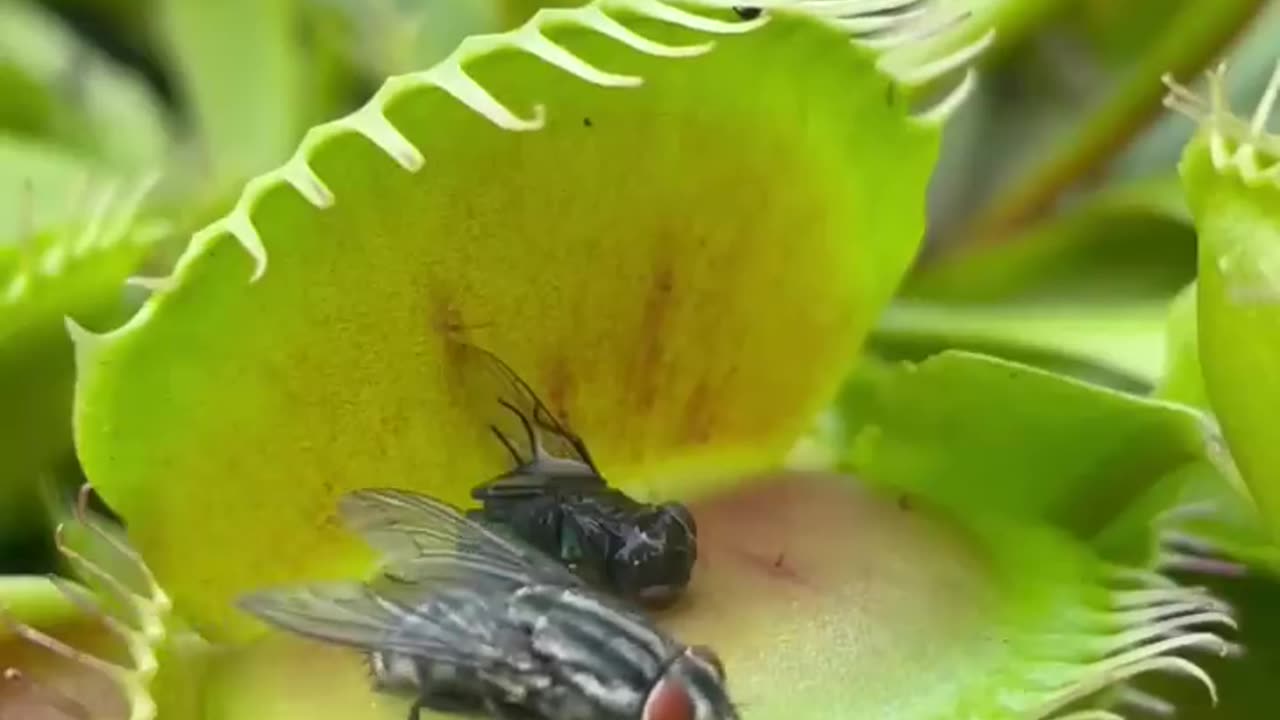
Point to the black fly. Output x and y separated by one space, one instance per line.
467 621
555 498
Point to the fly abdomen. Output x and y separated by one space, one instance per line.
599 649
471 689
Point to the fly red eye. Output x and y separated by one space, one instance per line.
668 701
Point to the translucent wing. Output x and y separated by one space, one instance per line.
455 626
544 449
429 542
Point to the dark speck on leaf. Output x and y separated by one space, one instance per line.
775 566
586 122
747 13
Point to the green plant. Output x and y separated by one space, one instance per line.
981 481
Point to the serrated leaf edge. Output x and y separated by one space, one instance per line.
108 224
1243 148
145 626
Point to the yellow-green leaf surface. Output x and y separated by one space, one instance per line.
1230 172
680 245
843 602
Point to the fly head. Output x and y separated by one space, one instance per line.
655 562
692 688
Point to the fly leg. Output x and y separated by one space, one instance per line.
447 703
499 710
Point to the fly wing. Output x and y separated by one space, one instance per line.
543 447
537 481
359 616
429 542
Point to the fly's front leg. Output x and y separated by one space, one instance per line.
447 704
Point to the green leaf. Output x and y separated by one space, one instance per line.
1143 481
38 186
74 94
35 113
1122 343
75 268
1204 512
33 600
980 433
689 308
389 37
515 12
1127 242
1182 380
1228 172
242 71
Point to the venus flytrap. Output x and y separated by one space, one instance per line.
1182 379
430 144
911 433
73 266
1231 173
679 225
1209 514
120 622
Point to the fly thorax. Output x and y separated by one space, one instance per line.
654 561
606 653
394 673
